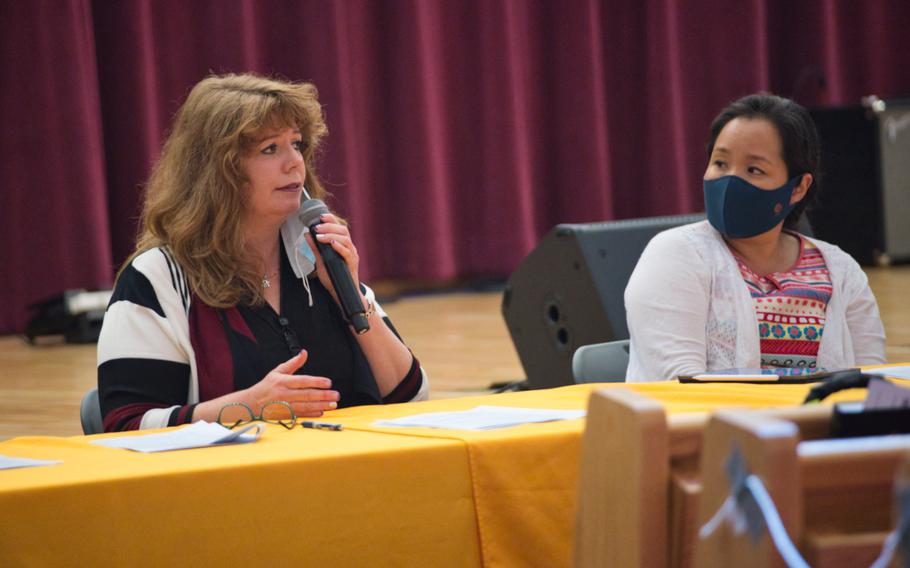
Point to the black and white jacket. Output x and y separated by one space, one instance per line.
162 351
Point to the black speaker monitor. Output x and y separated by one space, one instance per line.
864 203
568 292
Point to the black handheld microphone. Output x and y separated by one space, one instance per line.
348 294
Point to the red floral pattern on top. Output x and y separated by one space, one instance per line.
790 308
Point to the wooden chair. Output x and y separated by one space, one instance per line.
834 497
634 462
640 481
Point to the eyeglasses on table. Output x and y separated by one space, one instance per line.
275 412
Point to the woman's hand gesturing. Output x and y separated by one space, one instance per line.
309 396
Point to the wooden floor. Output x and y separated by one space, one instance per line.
460 338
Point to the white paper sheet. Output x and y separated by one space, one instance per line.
11 462
900 372
482 418
196 435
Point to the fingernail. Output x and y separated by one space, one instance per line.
333 405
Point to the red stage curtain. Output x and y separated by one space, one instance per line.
460 131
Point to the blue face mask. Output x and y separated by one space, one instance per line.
738 209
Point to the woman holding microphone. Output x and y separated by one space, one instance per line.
226 301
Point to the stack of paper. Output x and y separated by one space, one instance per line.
9 462
482 418
196 435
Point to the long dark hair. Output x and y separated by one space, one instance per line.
799 138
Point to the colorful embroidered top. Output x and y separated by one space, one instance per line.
790 308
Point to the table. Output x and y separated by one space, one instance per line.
368 495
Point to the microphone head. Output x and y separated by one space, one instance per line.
310 210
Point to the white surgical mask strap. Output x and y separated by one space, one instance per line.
305 277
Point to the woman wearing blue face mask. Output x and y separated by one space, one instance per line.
744 289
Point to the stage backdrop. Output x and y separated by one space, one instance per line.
460 131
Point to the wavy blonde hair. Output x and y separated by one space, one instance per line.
195 199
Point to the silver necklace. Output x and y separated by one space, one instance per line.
266 280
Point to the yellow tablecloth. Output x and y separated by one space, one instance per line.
525 478
299 498
368 495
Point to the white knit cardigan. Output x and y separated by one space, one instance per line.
689 310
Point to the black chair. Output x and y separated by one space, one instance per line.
90 413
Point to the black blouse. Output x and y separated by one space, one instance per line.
321 330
